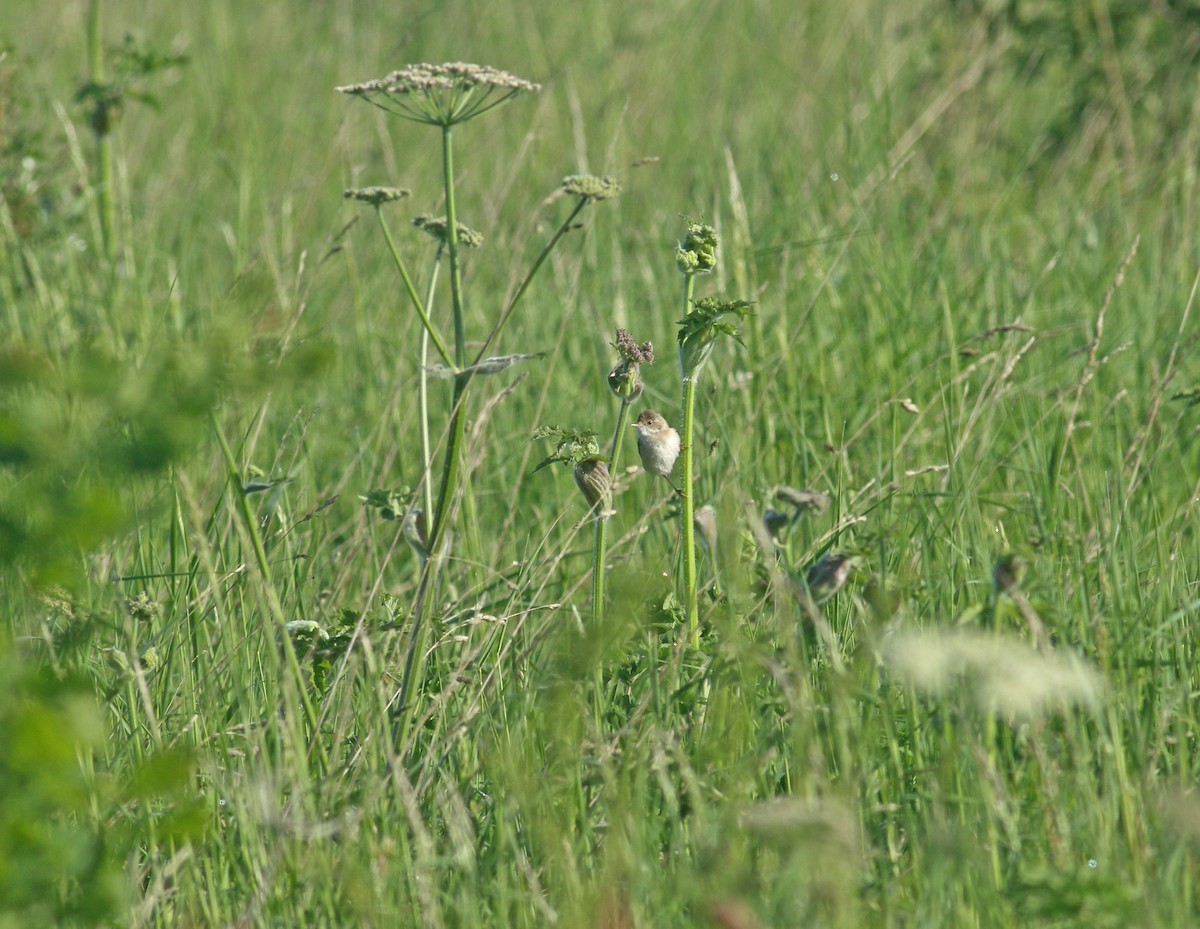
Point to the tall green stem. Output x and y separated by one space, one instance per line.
423 403
460 338
618 438
414 664
450 466
101 126
688 528
438 520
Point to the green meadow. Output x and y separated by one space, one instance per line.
296 631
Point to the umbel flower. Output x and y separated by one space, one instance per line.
376 196
591 188
436 227
441 95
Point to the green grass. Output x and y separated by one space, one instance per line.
895 185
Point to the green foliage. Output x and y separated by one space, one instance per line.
573 446
391 504
61 856
131 63
53 863
709 320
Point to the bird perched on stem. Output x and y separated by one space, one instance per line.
658 445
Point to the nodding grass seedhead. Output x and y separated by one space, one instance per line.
625 379
804 501
705 521
697 253
436 226
591 188
775 523
443 94
376 196
592 477
829 575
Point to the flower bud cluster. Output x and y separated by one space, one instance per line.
697 253
591 188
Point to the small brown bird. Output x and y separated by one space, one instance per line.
658 444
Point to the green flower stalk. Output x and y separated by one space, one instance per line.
696 254
703 323
437 228
377 197
445 95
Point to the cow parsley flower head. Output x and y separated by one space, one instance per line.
591 188
441 94
375 196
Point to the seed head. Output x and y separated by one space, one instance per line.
376 196
591 474
591 188
629 350
625 379
436 226
441 94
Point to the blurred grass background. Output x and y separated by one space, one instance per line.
929 201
